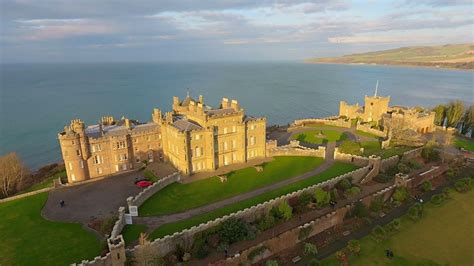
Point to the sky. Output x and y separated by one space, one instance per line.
233 30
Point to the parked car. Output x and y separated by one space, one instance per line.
144 183
141 178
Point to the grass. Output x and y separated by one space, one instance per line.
443 236
464 143
179 197
131 232
371 148
336 169
150 175
48 182
28 239
312 136
365 134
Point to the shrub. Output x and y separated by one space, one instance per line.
414 164
304 232
275 212
463 184
322 197
271 263
314 262
394 225
310 249
379 233
415 212
437 199
286 210
429 152
352 192
202 250
340 255
344 184
384 178
360 210
403 168
426 186
233 230
354 246
401 194
256 252
334 195
376 204
267 222
304 199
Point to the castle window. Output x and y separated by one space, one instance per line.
252 140
78 152
197 152
93 148
225 145
72 142
70 166
225 130
198 137
234 129
120 144
98 159
234 144
234 157
252 127
82 164
149 146
99 170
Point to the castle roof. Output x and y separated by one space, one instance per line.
222 111
118 129
182 123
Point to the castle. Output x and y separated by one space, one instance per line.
396 118
193 137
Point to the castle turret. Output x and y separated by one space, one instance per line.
156 116
75 151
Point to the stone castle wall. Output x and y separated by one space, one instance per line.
151 190
164 245
350 158
389 162
370 130
330 121
289 150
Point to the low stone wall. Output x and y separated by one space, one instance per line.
119 224
329 121
151 190
289 150
408 155
115 257
354 159
19 196
370 130
389 162
164 245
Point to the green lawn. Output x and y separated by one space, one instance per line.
131 232
336 169
179 197
365 134
371 148
464 143
443 236
48 182
320 136
28 239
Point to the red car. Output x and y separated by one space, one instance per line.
144 184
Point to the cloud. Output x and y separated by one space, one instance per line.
44 29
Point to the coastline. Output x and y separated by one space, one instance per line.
394 65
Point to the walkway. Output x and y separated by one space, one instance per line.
155 221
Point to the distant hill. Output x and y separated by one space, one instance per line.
459 56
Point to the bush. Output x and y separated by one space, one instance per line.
276 213
463 184
415 212
429 153
304 232
360 210
233 230
304 199
286 210
344 184
438 199
256 252
314 262
403 168
202 250
379 233
394 225
322 197
267 222
376 204
310 249
334 195
271 263
401 194
384 178
414 164
352 192
426 186
354 246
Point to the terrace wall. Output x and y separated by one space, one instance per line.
290 150
372 131
164 245
350 158
389 162
329 121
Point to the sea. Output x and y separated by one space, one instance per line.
38 100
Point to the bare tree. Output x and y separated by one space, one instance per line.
454 113
144 253
12 173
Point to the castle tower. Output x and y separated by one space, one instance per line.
75 149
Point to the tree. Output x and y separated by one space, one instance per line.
233 230
354 246
310 249
426 186
271 263
468 121
322 197
286 210
400 194
12 173
454 113
440 114
144 253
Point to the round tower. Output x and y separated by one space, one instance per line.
74 153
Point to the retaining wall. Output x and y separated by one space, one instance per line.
329 121
151 190
164 245
354 159
412 153
372 131
297 151
389 162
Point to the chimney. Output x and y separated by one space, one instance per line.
127 123
156 116
200 108
201 99
235 105
225 103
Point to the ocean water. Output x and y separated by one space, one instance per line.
38 100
